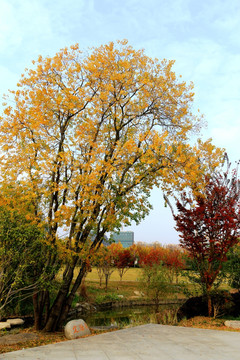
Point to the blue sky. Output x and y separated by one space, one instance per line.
202 36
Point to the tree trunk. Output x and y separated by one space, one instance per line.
36 310
156 300
120 271
62 304
106 281
41 308
100 275
52 323
209 301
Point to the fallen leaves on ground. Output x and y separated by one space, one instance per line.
43 339
203 322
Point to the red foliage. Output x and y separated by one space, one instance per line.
124 259
210 224
174 257
153 256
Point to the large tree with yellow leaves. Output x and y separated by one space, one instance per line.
87 137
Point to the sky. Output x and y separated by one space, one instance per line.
203 37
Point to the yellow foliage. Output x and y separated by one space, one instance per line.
90 135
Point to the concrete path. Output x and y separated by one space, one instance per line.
146 342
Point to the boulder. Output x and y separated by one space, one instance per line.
138 293
75 329
15 322
235 309
5 325
195 306
235 324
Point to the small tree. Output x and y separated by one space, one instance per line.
158 284
104 262
24 271
108 268
21 257
124 261
209 226
174 259
98 261
149 257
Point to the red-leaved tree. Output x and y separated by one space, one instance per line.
123 261
175 260
151 256
209 225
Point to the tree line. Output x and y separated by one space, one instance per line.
115 257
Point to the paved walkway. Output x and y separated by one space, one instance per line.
146 342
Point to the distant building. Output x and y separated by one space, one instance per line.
126 238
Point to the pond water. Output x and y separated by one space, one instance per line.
124 316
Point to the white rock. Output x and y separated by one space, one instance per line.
5 325
15 321
75 329
235 324
138 293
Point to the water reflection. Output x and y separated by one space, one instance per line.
124 316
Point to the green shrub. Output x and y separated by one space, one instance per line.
105 298
157 283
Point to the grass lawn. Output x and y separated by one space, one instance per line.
132 274
126 288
